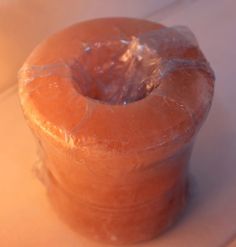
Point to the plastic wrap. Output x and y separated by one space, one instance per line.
116 112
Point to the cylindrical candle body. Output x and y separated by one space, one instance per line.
116 104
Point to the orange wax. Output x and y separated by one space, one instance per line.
115 104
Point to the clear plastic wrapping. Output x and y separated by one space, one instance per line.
116 119
119 72
132 70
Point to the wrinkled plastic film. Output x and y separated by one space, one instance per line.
136 68
133 69
116 125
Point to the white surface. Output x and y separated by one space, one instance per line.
210 221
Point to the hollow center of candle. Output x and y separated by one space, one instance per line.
117 72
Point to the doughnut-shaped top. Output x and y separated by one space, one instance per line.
117 84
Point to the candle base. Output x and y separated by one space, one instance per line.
120 225
116 226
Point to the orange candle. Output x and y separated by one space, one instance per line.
115 104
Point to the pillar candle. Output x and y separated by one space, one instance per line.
115 105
